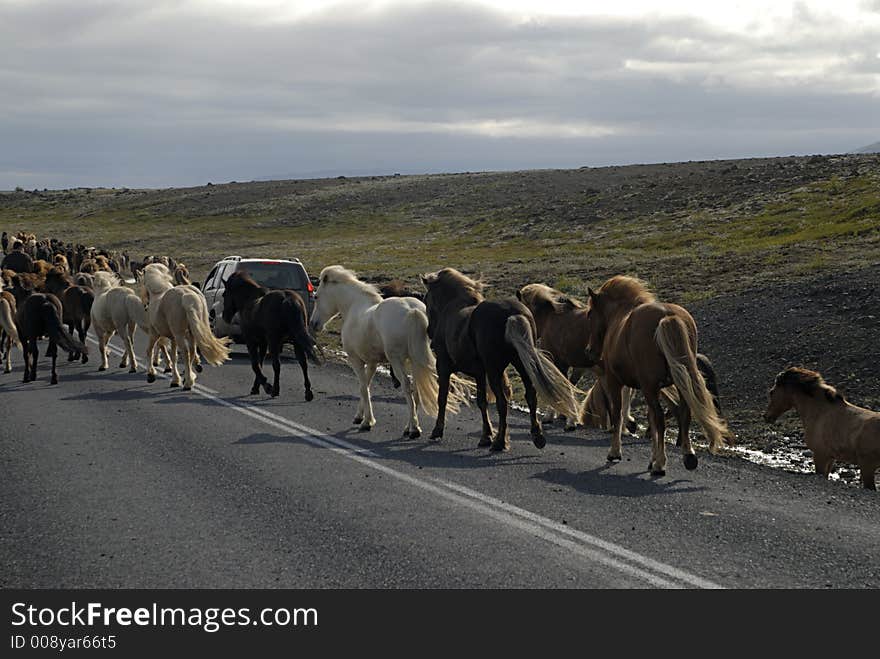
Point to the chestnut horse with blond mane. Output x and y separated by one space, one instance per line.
645 344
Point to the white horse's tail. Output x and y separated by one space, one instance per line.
7 322
214 350
672 339
424 367
552 385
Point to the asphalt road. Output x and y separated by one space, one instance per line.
108 481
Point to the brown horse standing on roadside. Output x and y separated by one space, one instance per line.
834 429
8 330
645 344
481 338
76 302
563 332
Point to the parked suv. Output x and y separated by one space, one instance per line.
270 273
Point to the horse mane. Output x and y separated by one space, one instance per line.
809 383
541 294
105 280
157 277
622 288
336 274
455 282
241 278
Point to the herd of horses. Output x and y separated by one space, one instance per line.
445 346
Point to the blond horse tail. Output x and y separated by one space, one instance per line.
593 411
551 384
214 350
672 339
134 310
7 323
424 365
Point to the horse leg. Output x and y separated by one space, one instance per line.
83 329
254 354
197 361
129 347
275 352
823 462
532 400
683 414
103 339
394 379
152 362
7 356
483 404
369 420
29 346
188 345
614 392
262 348
71 355
866 474
304 365
502 439
175 372
52 352
358 367
626 398
412 429
657 423
443 375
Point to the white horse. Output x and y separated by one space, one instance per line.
117 308
376 330
180 314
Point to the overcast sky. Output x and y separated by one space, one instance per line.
153 93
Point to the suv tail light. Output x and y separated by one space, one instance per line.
311 288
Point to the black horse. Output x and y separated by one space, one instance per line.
268 320
481 338
39 314
76 304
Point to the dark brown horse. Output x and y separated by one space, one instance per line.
481 338
76 302
645 344
39 314
268 320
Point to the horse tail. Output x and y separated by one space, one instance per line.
57 333
214 350
551 384
711 379
295 320
672 339
593 412
7 322
424 364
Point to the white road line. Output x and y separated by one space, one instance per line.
578 542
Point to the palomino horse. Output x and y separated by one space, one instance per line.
179 313
376 330
117 308
481 338
268 319
834 429
561 322
8 330
76 302
39 314
645 344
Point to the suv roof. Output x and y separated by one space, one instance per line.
245 260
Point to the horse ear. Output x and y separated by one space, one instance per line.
519 295
593 296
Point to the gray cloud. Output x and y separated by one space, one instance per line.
174 94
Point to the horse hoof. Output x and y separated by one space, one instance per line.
104 368
632 427
255 391
613 458
485 441
570 428
187 388
539 441
198 368
415 434
267 388
85 359
497 447
167 370
396 383
364 428
71 358
690 461
437 434
151 377
54 380
309 396
658 472
175 384
358 420
123 364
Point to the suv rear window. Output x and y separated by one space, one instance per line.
276 275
